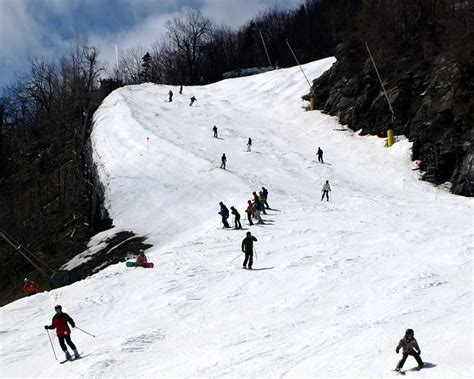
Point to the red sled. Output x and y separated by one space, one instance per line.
133 264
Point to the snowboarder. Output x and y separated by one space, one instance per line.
223 161
224 212
249 144
237 223
30 287
265 194
214 129
141 260
326 189
249 211
170 94
60 323
409 346
247 249
193 99
181 90
320 155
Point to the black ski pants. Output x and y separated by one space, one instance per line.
405 356
248 259
238 225
66 338
249 217
327 195
225 223
320 158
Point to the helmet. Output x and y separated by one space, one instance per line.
26 280
410 332
58 307
248 233
141 251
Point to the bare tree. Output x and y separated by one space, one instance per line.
188 36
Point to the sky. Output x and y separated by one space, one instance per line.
45 28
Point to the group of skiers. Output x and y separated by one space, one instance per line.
170 96
254 208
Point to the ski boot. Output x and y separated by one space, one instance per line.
76 354
68 356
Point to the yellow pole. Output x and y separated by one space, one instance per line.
312 103
389 137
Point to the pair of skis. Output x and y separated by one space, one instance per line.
72 359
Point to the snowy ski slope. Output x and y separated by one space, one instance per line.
338 282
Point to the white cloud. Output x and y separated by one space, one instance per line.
143 34
22 36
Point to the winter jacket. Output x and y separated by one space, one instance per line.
30 287
408 345
257 206
320 153
249 209
247 244
235 213
265 193
326 187
224 212
60 324
256 198
262 197
141 260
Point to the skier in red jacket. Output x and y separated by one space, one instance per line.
60 323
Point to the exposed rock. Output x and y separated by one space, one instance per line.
433 104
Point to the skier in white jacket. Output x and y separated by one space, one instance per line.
326 189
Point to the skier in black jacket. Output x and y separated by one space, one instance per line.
234 211
247 248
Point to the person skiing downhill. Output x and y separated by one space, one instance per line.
249 144
193 99
181 90
60 323
247 249
320 155
214 129
409 346
30 287
223 161
224 212
170 94
237 223
249 211
326 189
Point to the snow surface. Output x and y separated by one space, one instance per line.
338 282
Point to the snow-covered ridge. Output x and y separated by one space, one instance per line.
339 281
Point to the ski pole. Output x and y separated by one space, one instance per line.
51 342
85 331
235 258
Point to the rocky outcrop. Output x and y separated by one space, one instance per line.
433 104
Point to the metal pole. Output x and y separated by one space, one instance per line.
235 258
82 330
298 63
380 80
264 46
51 342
